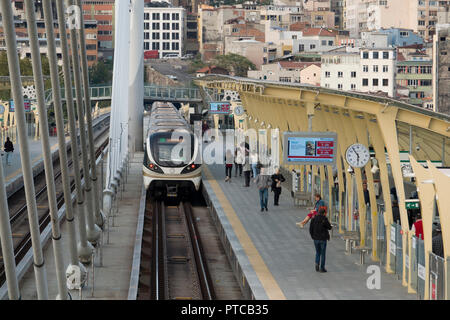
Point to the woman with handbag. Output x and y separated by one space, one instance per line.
277 179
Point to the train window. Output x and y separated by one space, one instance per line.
172 149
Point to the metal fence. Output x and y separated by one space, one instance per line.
437 277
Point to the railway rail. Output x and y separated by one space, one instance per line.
175 262
18 209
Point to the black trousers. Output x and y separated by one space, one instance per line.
238 167
276 197
228 171
247 178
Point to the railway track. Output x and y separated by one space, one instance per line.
175 262
18 209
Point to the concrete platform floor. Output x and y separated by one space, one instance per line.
112 279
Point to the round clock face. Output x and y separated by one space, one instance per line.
357 155
238 111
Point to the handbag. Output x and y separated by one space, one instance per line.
279 184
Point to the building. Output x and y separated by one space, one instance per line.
417 77
23 41
289 71
101 11
164 28
340 70
441 63
210 70
337 6
368 15
315 40
377 70
251 49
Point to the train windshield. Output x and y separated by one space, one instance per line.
172 148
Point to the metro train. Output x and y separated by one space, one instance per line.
170 151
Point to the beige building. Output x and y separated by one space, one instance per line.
251 49
288 71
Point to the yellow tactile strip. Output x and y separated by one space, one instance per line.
266 278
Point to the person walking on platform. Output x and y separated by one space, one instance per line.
9 149
263 183
238 160
247 169
228 165
277 179
319 233
254 163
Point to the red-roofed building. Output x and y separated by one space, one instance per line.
210 70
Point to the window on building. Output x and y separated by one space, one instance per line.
404 34
155 16
353 74
365 68
166 35
155 45
330 42
175 46
175 16
285 79
175 26
155 35
385 54
91 58
385 68
365 55
340 74
175 36
353 86
365 82
375 55
426 83
146 35
324 42
312 46
301 47
91 47
339 86
166 45
146 16
375 82
421 22
413 82
385 82
375 68
327 74
155 25
166 26
146 26
166 16
146 45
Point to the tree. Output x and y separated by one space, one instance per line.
235 64
101 72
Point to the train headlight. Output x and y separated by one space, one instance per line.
150 165
191 167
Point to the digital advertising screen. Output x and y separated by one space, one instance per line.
310 148
219 107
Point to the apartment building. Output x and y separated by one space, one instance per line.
101 11
417 77
377 70
441 63
289 71
164 28
340 70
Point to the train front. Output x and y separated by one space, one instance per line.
170 168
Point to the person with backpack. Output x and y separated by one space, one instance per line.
9 149
319 233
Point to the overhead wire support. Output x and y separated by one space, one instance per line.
93 231
99 217
30 194
84 248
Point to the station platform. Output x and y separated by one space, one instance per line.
13 172
113 262
275 258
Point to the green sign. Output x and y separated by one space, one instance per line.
412 204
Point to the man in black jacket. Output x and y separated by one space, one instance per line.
9 149
319 233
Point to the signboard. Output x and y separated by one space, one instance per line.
219 107
412 204
26 104
393 248
421 271
317 148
